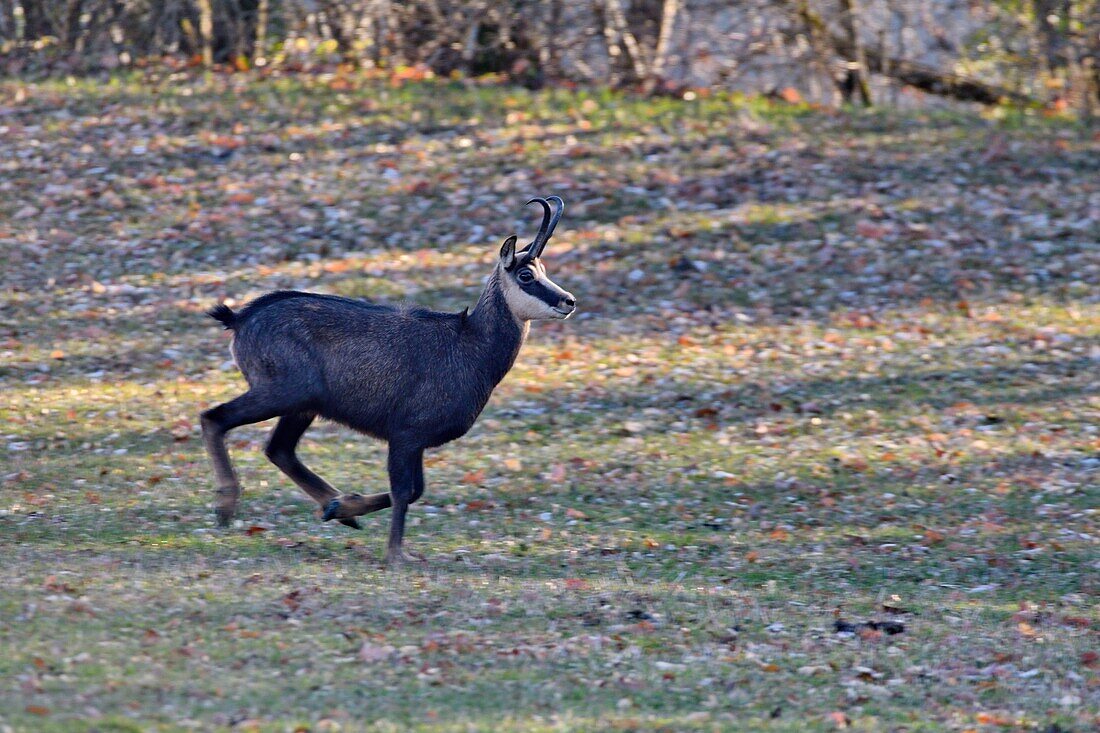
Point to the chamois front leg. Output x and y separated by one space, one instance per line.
406 469
346 507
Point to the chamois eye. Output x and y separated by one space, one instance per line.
525 276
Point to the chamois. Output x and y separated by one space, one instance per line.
410 376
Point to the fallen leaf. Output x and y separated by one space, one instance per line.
371 652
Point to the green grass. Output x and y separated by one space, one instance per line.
827 365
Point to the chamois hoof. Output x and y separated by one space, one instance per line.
224 516
351 522
403 558
331 509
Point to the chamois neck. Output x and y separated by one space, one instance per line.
493 324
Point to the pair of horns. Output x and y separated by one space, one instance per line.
550 218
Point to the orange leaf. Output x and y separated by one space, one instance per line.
855 463
752 556
37 710
839 718
871 230
779 534
576 583
474 477
240 198
255 529
790 95
57 354
992 719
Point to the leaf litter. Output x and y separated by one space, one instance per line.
821 361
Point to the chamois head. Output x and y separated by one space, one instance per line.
530 294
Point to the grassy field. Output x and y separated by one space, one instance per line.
821 449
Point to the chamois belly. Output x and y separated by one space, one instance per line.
429 428
445 433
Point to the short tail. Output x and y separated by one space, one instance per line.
224 314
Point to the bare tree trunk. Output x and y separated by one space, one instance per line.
7 20
380 25
1051 40
206 32
857 65
550 51
1089 55
669 11
620 36
70 25
35 23
921 76
259 39
469 46
819 46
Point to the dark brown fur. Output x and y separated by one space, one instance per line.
413 377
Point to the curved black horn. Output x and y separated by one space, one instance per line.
549 222
553 222
536 244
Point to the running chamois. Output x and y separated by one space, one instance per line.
410 376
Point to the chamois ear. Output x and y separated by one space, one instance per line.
508 252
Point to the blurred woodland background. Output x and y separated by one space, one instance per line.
896 52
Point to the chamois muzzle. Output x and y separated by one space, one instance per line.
566 306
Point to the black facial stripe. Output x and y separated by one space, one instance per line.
539 289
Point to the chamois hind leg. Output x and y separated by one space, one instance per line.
281 451
251 407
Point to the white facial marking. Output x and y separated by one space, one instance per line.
527 307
